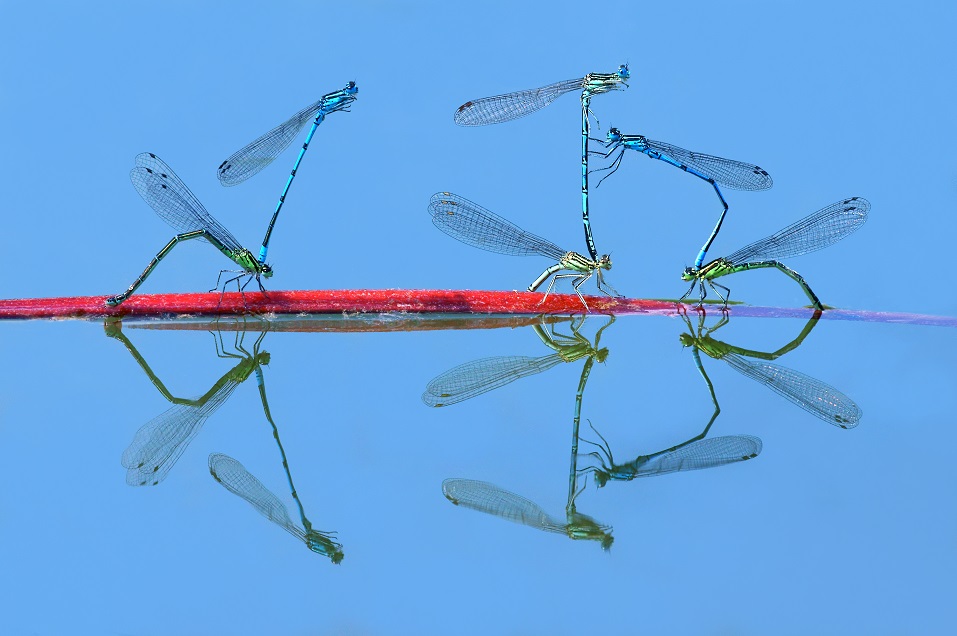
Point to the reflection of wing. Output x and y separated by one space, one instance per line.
480 376
817 398
159 443
705 453
490 499
237 480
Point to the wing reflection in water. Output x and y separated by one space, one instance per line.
817 398
490 499
481 376
159 443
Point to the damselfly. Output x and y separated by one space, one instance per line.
490 499
694 454
714 170
474 225
811 233
502 108
819 399
174 203
236 479
258 154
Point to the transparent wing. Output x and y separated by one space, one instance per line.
172 200
472 224
705 453
726 172
490 499
817 398
502 108
159 443
239 481
474 378
811 233
258 154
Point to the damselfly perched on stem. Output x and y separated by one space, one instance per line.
474 225
810 234
258 154
174 203
715 170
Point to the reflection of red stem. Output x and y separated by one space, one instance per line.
401 301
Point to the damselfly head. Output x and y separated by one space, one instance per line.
623 72
689 274
605 261
613 136
351 88
686 339
266 270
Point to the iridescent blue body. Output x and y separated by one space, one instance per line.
258 154
715 170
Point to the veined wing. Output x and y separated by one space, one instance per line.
502 108
811 233
817 398
480 376
726 172
172 200
472 224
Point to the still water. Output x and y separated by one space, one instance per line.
685 474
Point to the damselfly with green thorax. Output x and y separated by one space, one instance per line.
236 479
810 234
490 499
258 154
481 376
810 394
174 203
714 170
502 108
159 443
474 225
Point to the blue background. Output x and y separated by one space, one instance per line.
827 531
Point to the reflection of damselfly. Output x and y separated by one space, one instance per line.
159 443
490 499
817 398
811 233
481 376
237 480
472 224
502 108
694 454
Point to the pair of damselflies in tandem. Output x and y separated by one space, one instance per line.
472 224
174 203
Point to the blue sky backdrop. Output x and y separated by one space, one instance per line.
828 531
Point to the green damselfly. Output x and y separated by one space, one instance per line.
174 203
814 232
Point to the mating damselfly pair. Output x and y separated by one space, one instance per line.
174 203
472 224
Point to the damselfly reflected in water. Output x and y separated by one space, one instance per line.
160 443
817 398
486 374
493 500
236 479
